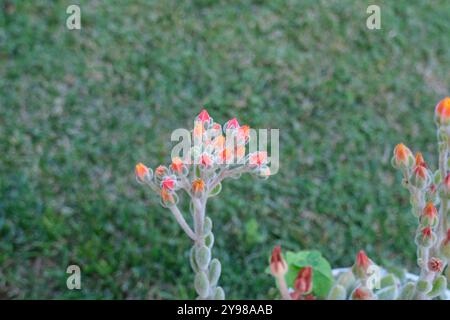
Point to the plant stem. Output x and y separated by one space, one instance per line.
182 222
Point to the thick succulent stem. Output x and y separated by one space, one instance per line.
207 271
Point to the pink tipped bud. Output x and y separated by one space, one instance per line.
204 116
258 158
435 265
168 184
303 283
232 124
419 161
278 267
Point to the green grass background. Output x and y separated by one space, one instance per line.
78 109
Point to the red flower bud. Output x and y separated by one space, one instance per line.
442 110
278 267
362 260
303 283
362 293
427 233
435 265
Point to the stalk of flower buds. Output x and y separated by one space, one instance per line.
213 158
428 190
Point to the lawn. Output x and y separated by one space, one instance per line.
78 109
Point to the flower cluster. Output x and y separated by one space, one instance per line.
218 152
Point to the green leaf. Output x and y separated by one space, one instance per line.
322 277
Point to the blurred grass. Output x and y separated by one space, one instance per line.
79 108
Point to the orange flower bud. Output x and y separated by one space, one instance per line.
167 197
278 267
442 110
435 264
177 165
142 172
402 155
198 186
161 171
419 160
429 215
361 265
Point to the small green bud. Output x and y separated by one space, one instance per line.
407 292
219 294
337 292
388 293
423 286
201 284
215 269
437 177
439 286
202 257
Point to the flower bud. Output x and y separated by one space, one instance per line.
160 172
168 184
202 256
361 265
442 111
232 124
143 174
257 159
198 186
178 166
425 237
203 116
303 283
278 267
168 198
419 161
435 265
429 215
402 156
362 293
420 176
